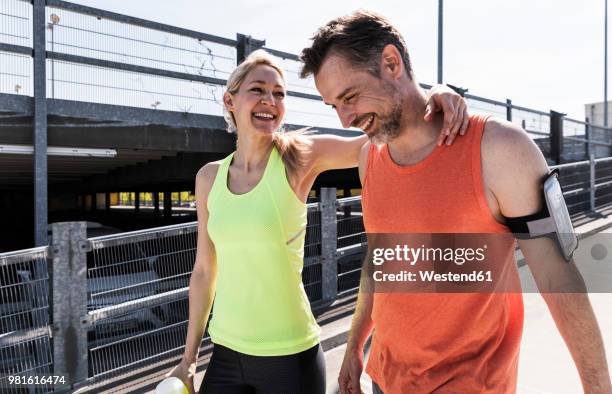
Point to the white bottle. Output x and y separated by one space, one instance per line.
171 385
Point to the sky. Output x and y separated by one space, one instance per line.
542 54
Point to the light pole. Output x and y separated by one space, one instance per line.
54 21
605 120
440 30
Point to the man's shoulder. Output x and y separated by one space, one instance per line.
512 167
503 136
507 146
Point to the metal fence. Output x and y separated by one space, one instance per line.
97 56
131 293
63 60
25 333
128 292
137 297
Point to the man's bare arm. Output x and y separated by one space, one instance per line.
513 170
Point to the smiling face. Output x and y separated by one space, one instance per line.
360 99
258 105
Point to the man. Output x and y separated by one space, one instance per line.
451 343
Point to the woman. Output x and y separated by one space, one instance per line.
251 225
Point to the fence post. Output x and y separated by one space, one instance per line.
40 123
69 298
592 181
556 136
246 45
509 110
329 243
587 136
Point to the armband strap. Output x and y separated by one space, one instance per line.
552 221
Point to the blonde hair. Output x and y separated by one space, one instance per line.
292 145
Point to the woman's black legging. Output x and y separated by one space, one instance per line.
231 372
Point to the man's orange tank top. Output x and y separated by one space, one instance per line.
444 343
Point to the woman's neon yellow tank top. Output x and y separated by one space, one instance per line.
260 305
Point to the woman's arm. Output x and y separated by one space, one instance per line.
203 280
330 152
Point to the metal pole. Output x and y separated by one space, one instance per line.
245 45
440 32
40 125
509 110
592 181
329 243
605 122
556 136
587 136
69 298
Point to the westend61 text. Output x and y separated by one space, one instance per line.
432 276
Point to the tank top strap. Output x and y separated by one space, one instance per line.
276 162
220 182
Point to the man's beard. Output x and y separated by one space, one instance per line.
390 124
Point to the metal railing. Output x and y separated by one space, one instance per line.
25 333
132 291
135 306
97 56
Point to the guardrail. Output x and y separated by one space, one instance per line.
25 332
119 303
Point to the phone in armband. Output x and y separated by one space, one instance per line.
553 220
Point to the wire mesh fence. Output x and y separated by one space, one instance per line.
102 57
351 243
95 84
15 74
350 223
16 22
536 123
25 347
100 37
109 47
137 297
